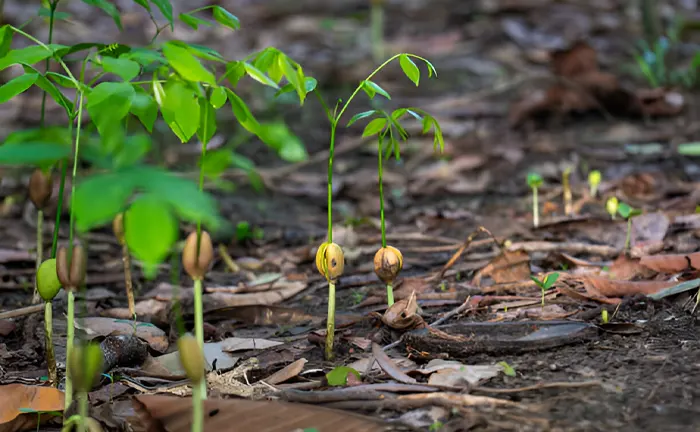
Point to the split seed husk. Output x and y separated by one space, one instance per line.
86 362
62 269
388 262
40 188
197 266
47 282
191 357
71 276
330 261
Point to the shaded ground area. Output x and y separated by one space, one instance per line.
504 113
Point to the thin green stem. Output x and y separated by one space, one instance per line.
64 66
330 325
50 356
535 209
199 329
39 250
331 151
59 204
377 30
52 17
389 294
69 346
83 411
628 238
380 176
197 408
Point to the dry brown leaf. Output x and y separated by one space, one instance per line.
286 373
672 263
101 326
173 414
598 285
625 268
402 314
283 289
511 266
21 404
587 297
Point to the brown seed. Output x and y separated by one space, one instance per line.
118 228
388 262
40 188
62 269
78 266
191 357
197 266
335 261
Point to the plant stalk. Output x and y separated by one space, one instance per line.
128 282
330 325
197 408
535 209
48 332
199 330
70 336
39 251
389 294
628 237
83 411
568 198
377 29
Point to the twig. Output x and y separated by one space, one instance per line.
465 246
28 310
538 386
452 313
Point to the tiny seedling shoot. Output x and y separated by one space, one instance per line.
611 206
534 180
48 285
545 283
594 179
192 360
329 256
568 196
40 189
627 212
118 229
85 368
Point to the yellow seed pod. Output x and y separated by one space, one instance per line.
388 262
191 357
330 261
118 228
197 266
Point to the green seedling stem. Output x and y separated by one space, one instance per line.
377 29
82 411
48 340
70 336
380 176
534 181
39 250
330 322
198 407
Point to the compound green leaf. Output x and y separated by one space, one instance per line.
309 86
109 102
144 107
16 86
6 34
214 163
28 56
207 121
33 153
234 72
374 127
409 68
122 67
193 21
226 18
292 76
287 145
242 113
258 76
187 64
180 108
218 97
150 231
166 8
372 88
146 57
99 198
134 148
109 8
360 116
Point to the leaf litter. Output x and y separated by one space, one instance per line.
425 362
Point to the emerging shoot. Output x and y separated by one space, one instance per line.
85 367
40 189
534 180
118 229
545 283
48 285
568 196
627 212
594 179
611 206
330 262
388 262
192 360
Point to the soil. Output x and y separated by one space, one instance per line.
638 376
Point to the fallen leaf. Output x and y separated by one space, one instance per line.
102 326
671 263
510 266
403 315
288 372
233 344
173 414
598 285
25 407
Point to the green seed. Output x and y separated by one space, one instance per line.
47 282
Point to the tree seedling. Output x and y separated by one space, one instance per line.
193 362
611 206
329 256
40 189
118 229
534 180
197 257
568 196
627 212
604 316
48 285
71 268
85 367
545 283
594 179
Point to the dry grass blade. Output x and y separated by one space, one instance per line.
173 414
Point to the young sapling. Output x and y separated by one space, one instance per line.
568 196
85 367
330 262
534 180
611 206
192 360
118 229
388 262
627 212
594 179
197 256
48 285
604 316
545 283
40 189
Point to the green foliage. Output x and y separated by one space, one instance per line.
547 282
245 232
507 369
534 180
626 211
339 375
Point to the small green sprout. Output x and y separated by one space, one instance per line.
628 212
534 180
604 316
436 426
545 283
594 179
568 196
611 206
507 369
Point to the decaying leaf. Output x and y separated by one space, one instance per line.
511 266
233 344
600 286
101 326
403 314
24 407
671 263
